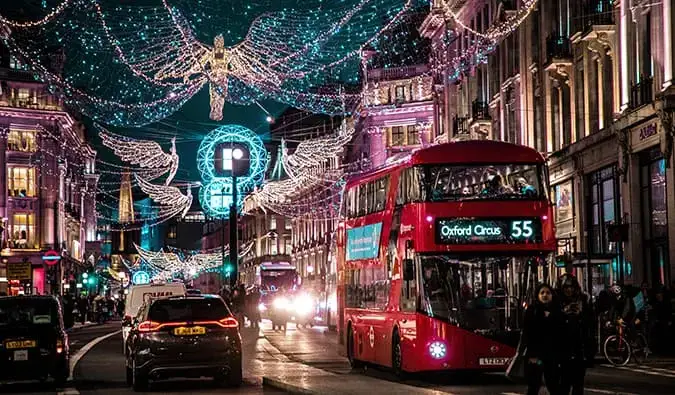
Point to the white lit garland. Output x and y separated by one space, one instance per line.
144 153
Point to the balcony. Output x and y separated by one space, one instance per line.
596 13
641 93
558 48
480 111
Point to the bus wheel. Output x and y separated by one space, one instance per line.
397 356
355 364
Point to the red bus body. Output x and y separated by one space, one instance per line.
373 329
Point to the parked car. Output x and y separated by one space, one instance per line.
33 339
184 336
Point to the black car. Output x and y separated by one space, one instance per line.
184 336
33 339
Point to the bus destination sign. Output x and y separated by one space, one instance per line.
488 231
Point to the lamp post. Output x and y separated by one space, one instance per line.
235 160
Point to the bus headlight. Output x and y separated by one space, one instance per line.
437 350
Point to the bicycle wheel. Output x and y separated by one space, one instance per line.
617 350
640 349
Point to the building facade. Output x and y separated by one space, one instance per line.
589 83
47 186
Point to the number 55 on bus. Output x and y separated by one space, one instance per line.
438 253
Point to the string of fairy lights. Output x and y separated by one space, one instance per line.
285 54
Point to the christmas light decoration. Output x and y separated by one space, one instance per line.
167 195
146 154
46 19
216 193
140 63
187 264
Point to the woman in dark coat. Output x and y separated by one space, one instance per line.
540 338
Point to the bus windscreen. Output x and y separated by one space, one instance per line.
484 182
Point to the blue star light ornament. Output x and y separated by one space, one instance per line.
214 160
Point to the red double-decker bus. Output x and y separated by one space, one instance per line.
436 254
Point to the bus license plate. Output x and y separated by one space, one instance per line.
20 344
195 330
493 361
21 355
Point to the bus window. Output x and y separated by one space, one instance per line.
363 200
381 193
499 181
370 196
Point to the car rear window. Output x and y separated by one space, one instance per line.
179 310
28 312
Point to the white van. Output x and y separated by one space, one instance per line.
141 293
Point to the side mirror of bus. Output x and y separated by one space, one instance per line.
408 270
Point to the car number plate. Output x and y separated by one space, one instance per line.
493 361
189 331
21 355
20 344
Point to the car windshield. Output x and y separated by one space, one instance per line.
180 310
481 294
23 312
484 182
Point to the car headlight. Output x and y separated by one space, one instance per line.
437 350
262 307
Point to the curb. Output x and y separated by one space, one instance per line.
284 386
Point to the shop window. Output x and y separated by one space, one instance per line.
654 217
22 231
21 181
273 223
21 140
603 209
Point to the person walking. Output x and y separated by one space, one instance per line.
577 342
541 334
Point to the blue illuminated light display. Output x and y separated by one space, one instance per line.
215 195
141 277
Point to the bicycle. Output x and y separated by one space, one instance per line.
619 350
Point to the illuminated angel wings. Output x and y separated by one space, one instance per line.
167 195
144 153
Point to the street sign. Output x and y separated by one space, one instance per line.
51 257
19 271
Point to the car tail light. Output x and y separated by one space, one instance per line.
149 326
228 322
59 346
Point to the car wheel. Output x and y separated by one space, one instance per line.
139 380
130 376
235 376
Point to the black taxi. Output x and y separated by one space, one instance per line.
184 336
33 339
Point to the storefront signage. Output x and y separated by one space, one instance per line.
645 135
19 271
51 257
364 242
648 131
481 231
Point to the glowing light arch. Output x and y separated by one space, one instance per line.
215 187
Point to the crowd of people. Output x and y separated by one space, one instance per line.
91 308
562 328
